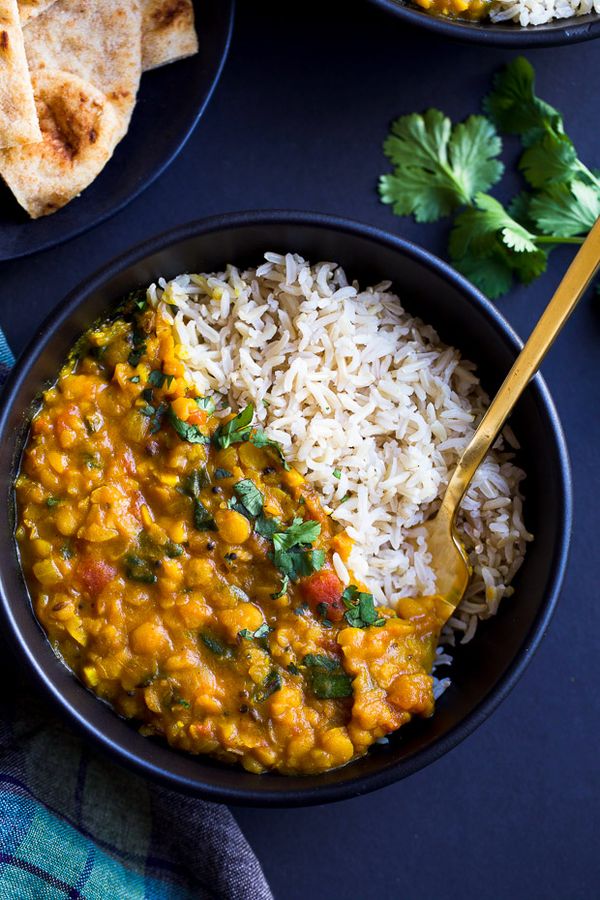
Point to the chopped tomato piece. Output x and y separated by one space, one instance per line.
324 588
95 575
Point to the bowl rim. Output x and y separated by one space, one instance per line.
551 34
360 784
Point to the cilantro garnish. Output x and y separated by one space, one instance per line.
291 550
138 569
440 167
250 497
360 609
203 520
215 645
236 430
261 632
271 684
337 474
320 661
207 404
158 380
285 583
190 433
52 501
223 473
260 439
138 342
327 679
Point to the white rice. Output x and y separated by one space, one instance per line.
346 380
537 12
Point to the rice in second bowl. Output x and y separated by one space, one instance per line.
368 404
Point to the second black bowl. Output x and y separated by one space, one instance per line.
484 670
497 34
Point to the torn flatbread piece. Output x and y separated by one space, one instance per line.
168 32
18 118
97 40
30 8
80 130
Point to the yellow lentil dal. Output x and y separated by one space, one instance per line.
185 573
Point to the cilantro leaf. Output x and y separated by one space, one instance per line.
158 380
360 608
223 473
285 583
266 527
250 497
290 553
438 167
203 521
320 661
261 632
299 532
491 274
271 684
215 645
331 685
551 159
565 210
195 481
260 439
206 403
514 106
477 229
236 430
190 433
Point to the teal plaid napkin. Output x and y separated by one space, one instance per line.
74 825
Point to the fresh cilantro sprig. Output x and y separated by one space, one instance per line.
441 169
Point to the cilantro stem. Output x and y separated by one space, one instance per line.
554 239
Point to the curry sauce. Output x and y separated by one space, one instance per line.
190 577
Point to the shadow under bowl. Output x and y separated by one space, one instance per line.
483 671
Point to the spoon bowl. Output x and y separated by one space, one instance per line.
448 557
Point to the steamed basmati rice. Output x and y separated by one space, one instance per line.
368 404
538 12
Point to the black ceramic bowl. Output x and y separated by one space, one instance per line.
501 34
484 670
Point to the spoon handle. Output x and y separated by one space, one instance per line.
565 299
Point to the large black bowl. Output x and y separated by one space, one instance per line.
498 34
484 670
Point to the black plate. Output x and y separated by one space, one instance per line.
502 34
170 102
484 670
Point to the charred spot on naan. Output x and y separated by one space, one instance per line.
178 12
168 32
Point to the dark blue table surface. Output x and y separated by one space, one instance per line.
297 122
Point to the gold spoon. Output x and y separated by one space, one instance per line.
448 556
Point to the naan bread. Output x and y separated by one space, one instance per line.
79 133
18 119
97 40
30 8
168 32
